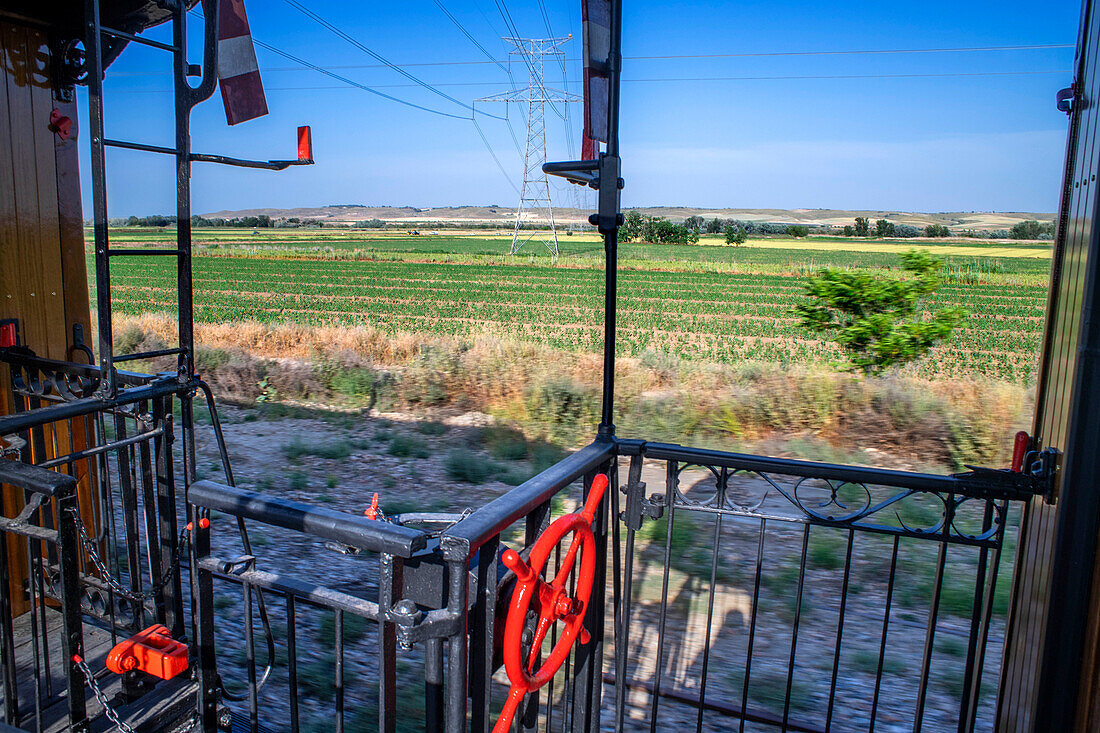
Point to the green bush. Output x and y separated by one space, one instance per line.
332 450
465 466
505 443
407 446
431 427
565 409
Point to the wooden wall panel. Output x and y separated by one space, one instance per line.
43 279
1027 629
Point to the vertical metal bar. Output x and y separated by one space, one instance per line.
794 628
622 634
839 631
185 99
456 648
929 640
72 640
534 524
153 539
481 630
35 636
987 615
250 660
972 652
611 236
94 61
389 590
671 480
292 661
588 658
338 630
166 503
752 622
202 584
129 518
433 685
550 685
7 637
716 542
885 630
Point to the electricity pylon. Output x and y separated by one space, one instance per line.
535 193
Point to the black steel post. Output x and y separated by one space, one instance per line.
389 591
7 638
94 61
588 673
166 504
433 684
457 649
72 640
203 597
608 221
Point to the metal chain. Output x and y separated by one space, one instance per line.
100 696
108 577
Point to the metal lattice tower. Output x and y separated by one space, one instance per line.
535 192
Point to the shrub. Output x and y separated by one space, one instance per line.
874 319
1032 229
333 450
798 231
407 446
937 230
505 443
431 427
736 236
564 408
467 467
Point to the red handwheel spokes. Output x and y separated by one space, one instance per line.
552 600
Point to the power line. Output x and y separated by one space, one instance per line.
341 34
349 82
768 54
658 80
469 35
493 153
305 65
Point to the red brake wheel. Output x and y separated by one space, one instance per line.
552 599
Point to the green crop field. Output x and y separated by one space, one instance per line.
703 302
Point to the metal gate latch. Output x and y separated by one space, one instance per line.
152 651
553 601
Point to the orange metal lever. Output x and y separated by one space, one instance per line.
152 651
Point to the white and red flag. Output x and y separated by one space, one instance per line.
238 72
596 15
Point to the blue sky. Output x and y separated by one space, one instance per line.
918 143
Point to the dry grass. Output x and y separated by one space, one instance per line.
555 394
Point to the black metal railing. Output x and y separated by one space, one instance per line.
122 570
732 591
805 596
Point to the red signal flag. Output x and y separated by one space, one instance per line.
596 17
238 70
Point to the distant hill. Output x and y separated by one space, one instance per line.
503 215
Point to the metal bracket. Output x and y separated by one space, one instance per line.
1064 99
603 175
638 506
1037 479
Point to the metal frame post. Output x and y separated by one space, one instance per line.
608 220
93 46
